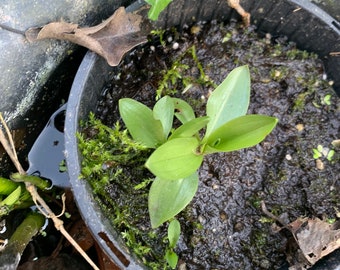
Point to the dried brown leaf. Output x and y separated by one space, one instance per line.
314 239
317 239
111 39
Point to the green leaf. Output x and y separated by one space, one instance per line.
164 111
190 128
229 100
140 122
7 186
12 198
175 159
184 111
171 258
316 154
330 155
157 6
244 131
174 231
169 197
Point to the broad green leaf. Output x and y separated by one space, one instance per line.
184 111
171 258
175 159
190 128
157 6
244 131
229 100
169 197
164 112
174 231
140 122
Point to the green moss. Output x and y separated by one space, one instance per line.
173 79
108 156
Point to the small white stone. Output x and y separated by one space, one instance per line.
215 186
152 48
288 157
175 46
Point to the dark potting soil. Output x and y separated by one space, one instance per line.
224 227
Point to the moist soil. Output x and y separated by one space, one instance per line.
224 226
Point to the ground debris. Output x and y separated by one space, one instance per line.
111 39
315 239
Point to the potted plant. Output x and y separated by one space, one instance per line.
84 92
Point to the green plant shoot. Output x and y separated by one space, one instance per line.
174 231
179 152
157 6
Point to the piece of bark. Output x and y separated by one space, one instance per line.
111 39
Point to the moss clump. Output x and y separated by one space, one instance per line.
113 164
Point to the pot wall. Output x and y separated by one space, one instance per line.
301 21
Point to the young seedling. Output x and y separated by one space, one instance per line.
179 151
321 151
174 231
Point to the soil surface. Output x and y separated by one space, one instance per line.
224 227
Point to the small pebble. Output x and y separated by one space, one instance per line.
223 216
215 186
277 73
300 127
175 46
288 157
182 266
319 165
336 143
201 219
195 29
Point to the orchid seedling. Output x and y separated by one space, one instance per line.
179 152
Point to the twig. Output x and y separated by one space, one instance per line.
235 4
11 29
8 144
269 214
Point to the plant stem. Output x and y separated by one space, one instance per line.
12 251
8 144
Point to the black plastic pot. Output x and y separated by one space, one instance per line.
302 22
